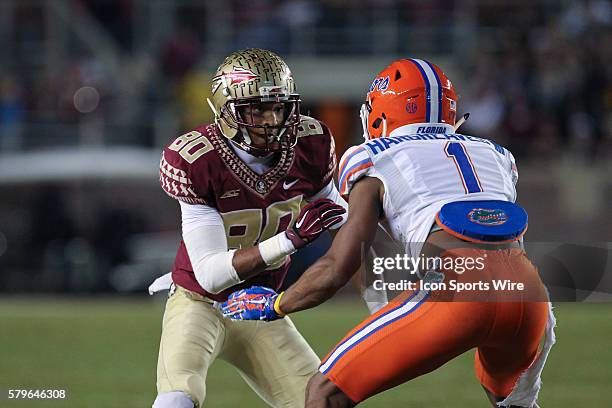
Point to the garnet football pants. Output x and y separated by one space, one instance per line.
272 357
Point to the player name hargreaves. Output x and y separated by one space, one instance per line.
453 285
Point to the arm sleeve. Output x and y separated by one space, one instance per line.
331 192
206 243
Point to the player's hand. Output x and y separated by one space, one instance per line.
254 303
315 218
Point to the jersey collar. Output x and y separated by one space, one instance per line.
415 128
263 183
254 162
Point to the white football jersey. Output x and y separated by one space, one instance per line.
423 168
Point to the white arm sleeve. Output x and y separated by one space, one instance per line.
330 191
206 243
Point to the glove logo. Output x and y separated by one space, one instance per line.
315 217
298 224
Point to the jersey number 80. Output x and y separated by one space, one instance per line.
243 228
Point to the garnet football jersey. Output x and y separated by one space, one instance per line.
200 167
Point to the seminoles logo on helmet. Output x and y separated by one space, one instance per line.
237 76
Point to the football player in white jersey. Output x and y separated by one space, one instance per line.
445 196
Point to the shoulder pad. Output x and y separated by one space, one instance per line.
180 160
355 164
317 152
310 126
176 183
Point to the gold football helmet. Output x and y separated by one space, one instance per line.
255 80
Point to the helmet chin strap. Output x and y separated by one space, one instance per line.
461 121
212 107
247 143
384 129
363 114
245 135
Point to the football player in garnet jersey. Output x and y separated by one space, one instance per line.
253 187
445 196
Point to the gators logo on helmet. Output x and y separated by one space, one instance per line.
409 91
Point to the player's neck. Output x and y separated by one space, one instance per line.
256 163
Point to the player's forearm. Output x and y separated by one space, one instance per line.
248 262
216 268
319 283
221 270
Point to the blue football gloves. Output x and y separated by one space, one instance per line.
254 303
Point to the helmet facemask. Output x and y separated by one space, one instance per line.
246 116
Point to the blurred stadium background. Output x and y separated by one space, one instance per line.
90 91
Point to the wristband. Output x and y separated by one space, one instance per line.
275 249
277 308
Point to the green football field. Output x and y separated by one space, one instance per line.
103 353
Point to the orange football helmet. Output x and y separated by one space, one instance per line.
409 91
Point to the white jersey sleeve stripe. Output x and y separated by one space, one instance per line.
347 156
354 165
354 174
354 155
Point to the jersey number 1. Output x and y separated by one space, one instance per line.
465 167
